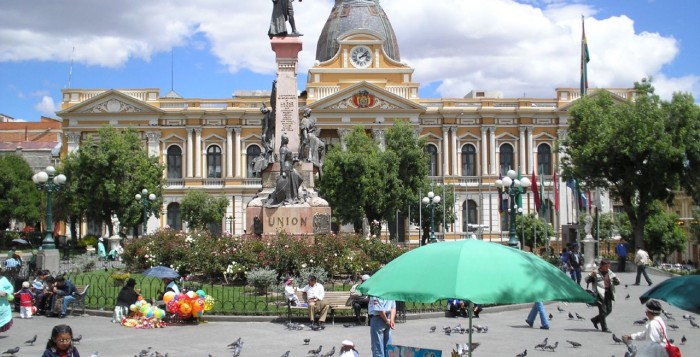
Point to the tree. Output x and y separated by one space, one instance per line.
199 209
19 198
605 228
364 182
641 150
662 236
531 225
107 173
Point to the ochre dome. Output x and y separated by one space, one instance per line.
349 15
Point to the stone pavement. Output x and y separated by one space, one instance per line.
508 334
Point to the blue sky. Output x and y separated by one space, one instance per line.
522 48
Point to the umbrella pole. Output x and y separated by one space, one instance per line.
471 312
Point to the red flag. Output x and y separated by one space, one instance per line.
535 191
590 202
556 193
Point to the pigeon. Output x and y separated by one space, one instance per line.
97 354
692 323
640 322
316 351
158 354
574 343
542 344
329 353
286 354
347 325
30 342
616 339
432 329
315 327
237 351
522 354
688 317
235 343
627 297
668 315
580 317
552 347
11 351
673 326
145 353
626 286
559 309
570 315
683 340
631 351
448 332
77 339
551 316
306 341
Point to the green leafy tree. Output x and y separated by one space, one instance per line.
364 182
662 236
199 209
19 198
531 225
105 175
639 150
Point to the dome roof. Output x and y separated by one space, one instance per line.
349 15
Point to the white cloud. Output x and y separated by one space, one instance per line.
47 107
531 46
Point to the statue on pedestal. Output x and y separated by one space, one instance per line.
282 11
312 149
267 156
288 182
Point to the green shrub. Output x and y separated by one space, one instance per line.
319 272
262 279
89 240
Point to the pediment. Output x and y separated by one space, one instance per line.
469 137
544 136
173 138
507 136
112 102
431 137
365 96
214 137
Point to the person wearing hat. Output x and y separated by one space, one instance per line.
289 292
348 349
314 294
654 334
357 300
26 301
101 252
127 296
604 281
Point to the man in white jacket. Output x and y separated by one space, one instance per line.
642 260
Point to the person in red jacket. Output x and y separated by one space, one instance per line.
26 301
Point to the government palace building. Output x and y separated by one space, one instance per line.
358 78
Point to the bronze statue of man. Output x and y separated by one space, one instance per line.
282 11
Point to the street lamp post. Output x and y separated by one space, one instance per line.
144 198
229 220
50 182
514 188
431 201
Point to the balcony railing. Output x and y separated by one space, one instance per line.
175 182
213 182
252 182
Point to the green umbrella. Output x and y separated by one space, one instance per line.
682 292
473 270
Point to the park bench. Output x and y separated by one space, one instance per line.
79 301
336 300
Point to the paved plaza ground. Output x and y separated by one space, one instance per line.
508 334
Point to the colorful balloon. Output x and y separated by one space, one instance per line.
133 307
185 309
168 296
201 293
191 294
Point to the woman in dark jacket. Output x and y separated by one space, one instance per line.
127 296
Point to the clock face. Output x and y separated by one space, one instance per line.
361 56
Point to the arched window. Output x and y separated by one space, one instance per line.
251 153
173 219
469 214
506 158
544 159
174 162
214 162
431 150
468 160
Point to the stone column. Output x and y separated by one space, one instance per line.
239 154
153 141
378 135
73 138
190 154
445 151
343 133
492 143
198 152
229 152
455 152
484 152
287 107
522 150
530 151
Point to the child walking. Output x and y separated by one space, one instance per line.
26 301
61 343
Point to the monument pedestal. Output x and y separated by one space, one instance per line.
48 259
589 253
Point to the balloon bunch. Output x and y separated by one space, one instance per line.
189 304
144 315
